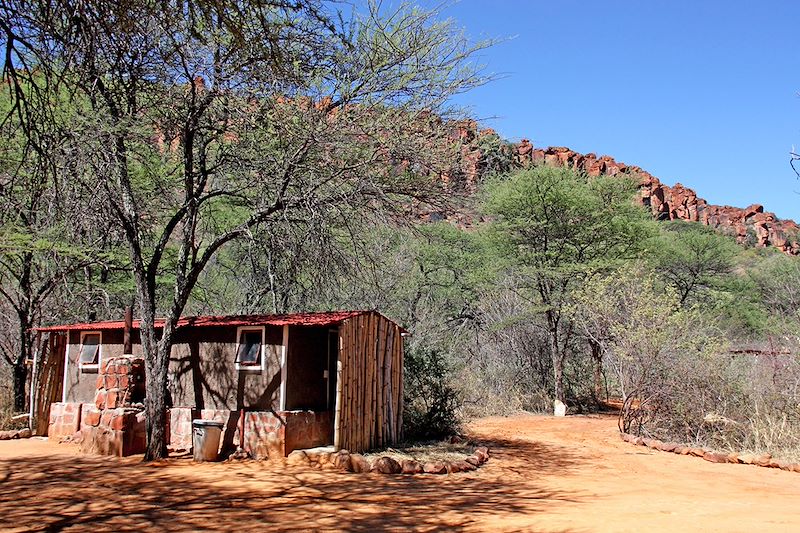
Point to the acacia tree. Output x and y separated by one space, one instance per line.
51 237
556 228
693 258
204 120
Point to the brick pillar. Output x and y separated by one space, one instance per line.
114 424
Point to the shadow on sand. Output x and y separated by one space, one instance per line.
60 492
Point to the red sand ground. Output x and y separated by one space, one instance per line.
546 474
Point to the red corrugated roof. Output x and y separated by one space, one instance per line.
328 318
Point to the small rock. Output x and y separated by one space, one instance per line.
474 461
436 467
697 452
733 458
324 458
298 458
483 452
359 463
712 457
668 446
747 458
763 460
464 466
796 468
24 433
6 435
410 466
559 408
387 465
639 441
341 461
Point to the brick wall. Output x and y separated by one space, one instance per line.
65 420
114 423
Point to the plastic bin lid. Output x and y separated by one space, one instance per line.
201 422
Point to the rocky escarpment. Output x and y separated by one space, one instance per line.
750 225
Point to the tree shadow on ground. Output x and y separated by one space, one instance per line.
64 492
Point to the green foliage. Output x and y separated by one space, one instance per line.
497 155
430 403
554 222
694 259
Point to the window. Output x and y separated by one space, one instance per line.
89 355
250 349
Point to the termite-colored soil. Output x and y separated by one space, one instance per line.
545 474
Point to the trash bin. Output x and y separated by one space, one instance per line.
205 439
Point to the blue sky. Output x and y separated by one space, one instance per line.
703 93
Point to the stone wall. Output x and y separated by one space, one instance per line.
115 423
307 429
119 431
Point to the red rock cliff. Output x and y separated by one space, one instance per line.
750 225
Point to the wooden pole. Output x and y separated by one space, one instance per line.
127 344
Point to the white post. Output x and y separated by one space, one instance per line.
284 354
32 399
337 438
66 370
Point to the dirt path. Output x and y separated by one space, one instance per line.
546 474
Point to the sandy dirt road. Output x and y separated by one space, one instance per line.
546 474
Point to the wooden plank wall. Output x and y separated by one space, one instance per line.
49 379
371 381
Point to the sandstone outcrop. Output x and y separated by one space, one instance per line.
750 225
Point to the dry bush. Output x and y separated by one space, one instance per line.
772 420
677 378
507 367
7 402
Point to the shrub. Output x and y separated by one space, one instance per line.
430 402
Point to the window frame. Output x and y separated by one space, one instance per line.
91 366
260 367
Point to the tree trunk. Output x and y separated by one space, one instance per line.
558 378
557 356
20 378
156 405
20 369
156 354
597 359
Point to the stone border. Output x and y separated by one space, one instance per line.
16 434
763 460
354 462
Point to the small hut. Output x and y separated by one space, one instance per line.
277 382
